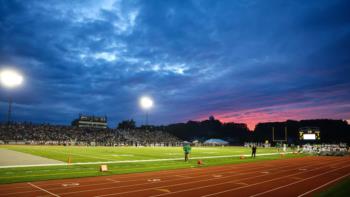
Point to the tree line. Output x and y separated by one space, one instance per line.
331 131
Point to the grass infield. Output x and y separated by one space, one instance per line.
80 155
341 189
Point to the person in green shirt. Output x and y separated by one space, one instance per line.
187 151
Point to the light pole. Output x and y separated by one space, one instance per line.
10 79
146 103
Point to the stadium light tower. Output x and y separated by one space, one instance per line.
146 104
10 79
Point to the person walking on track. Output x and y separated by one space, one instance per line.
253 151
187 150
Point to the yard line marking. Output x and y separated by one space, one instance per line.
319 187
81 155
44 190
136 161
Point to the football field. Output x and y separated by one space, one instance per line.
82 161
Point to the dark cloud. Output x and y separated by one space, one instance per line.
243 61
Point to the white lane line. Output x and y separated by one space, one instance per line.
112 180
44 190
70 184
135 161
274 189
165 185
182 176
217 169
324 185
206 180
153 180
296 182
261 182
242 183
220 169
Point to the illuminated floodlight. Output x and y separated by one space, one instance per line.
146 102
10 78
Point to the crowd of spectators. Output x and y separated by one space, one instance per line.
257 144
25 133
326 149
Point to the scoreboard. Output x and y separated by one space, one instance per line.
309 133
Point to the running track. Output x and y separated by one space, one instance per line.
287 177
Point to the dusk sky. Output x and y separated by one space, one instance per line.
241 61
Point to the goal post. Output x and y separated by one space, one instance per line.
285 137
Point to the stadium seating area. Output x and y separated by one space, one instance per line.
326 149
70 135
257 144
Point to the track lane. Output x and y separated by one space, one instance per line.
145 192
101 181
256 188
107 191
173 182
249 181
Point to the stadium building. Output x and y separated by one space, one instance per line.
85 121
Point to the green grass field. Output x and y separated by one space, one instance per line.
125 155
341 189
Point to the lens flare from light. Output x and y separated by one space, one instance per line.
11 78
146 102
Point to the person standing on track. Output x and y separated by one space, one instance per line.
253 151
187 150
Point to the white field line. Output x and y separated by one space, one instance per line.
137 161
80 155
44 190
317 188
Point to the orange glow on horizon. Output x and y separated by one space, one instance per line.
279 114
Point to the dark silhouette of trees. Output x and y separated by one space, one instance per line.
331 131
211 128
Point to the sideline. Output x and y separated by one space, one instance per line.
136 161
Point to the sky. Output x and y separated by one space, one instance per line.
242 61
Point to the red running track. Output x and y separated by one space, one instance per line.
288 177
